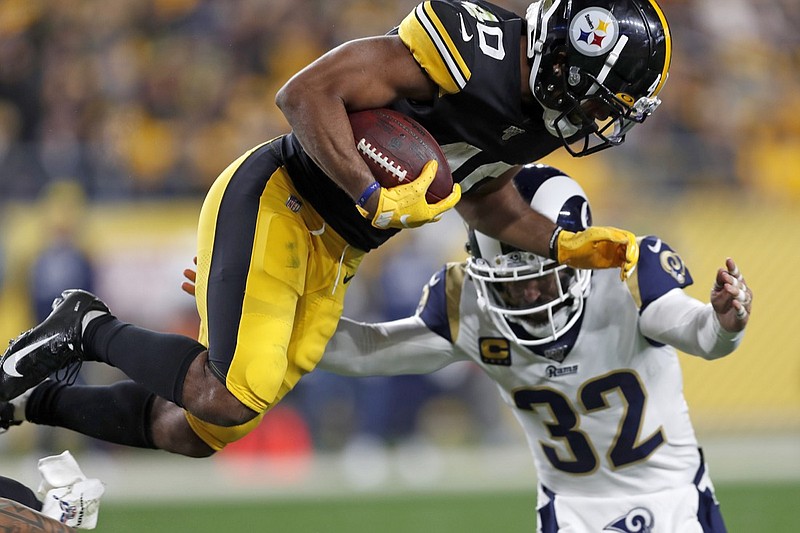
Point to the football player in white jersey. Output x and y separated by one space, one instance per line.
587 363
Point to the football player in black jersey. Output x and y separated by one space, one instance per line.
286 225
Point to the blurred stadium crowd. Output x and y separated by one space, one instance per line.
130 100
139 98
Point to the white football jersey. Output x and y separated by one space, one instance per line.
611 418
604 412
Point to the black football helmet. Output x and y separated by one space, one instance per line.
555 295
597 67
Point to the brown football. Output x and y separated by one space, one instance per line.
396 147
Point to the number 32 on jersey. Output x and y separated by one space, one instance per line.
577 455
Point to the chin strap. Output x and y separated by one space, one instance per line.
563 129
482 304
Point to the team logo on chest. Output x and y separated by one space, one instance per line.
638 520
511 131
495 351
553 371
557 353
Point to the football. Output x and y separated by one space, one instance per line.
396 147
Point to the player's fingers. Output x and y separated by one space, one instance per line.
741 311
625 272
738 281
448 203
190 274
736 274
631 257
742 294
733 269
427 174
729 275
188 288
740 289
632 250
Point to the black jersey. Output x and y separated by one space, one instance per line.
471 50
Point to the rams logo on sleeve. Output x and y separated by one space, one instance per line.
673 265
660 269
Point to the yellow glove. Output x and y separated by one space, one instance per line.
598 247
404 206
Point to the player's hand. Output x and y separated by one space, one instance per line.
405 206
191 277
599 247
731 298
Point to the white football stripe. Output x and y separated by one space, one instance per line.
450 62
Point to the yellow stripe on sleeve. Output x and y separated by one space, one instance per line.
455 283
426 37
633 282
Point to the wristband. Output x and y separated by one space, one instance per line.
371 188
554 243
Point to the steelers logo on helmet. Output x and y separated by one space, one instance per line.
594 31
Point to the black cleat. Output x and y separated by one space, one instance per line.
54 344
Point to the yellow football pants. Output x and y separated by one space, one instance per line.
271 280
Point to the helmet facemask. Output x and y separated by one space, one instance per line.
543 298
597 120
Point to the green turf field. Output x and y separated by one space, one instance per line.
748 508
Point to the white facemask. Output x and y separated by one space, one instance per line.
544 329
